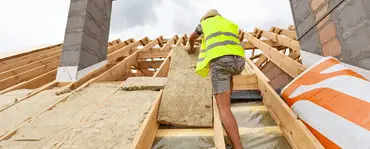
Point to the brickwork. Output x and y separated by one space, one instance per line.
278 78
339 28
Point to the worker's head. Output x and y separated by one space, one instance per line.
210 13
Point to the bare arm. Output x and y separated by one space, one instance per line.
194 36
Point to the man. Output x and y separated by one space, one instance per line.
223 56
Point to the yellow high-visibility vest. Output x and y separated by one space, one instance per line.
220 37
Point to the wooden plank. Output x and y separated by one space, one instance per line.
120 45
217 127
287 64
146 72
290 34
145 136
153 43
28 75
30 60
294 130
170 43
126 50
187 97
46 86
153 54
122 68
149 64
199 132
34 53
294 44
244 82
255 56
261 60
164 68
47 77
249 46
257 71
16 71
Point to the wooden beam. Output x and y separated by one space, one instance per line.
38 57
249 46
149 64
297 134
261 60
255 56
31 54
145 136
40 80
294 44
114 42
290 34
120 45
123 68
16 71
153 43
218 130
200 132
126 50
169 44
287 64
257 71
153 54
27 75
46 86
244 82
146 72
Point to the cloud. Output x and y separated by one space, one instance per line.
132 13
39 22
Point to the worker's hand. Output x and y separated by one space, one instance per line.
190 50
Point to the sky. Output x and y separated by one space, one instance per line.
29 23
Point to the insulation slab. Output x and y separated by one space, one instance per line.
144 83
187 97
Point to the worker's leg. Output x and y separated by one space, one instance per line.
222 69
228 119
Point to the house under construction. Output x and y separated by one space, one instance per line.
144 93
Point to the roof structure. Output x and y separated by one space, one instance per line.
277 63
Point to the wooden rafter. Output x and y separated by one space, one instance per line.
37 81
18 70
126 50
294 130
123 67
145 136
287 64
217 127
37 57
120 45
285 32
149 64
19 57
294 44
27 75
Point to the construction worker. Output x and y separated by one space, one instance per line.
221 54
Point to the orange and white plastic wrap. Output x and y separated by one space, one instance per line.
334 103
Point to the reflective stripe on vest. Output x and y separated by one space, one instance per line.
219 39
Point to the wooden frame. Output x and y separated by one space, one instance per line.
146 134
217 127
287 64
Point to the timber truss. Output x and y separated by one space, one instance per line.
145 57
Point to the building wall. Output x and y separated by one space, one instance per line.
339 28
278 78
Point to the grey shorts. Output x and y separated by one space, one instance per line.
222 70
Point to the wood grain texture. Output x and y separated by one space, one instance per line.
187 97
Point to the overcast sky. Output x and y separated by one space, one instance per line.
28 23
